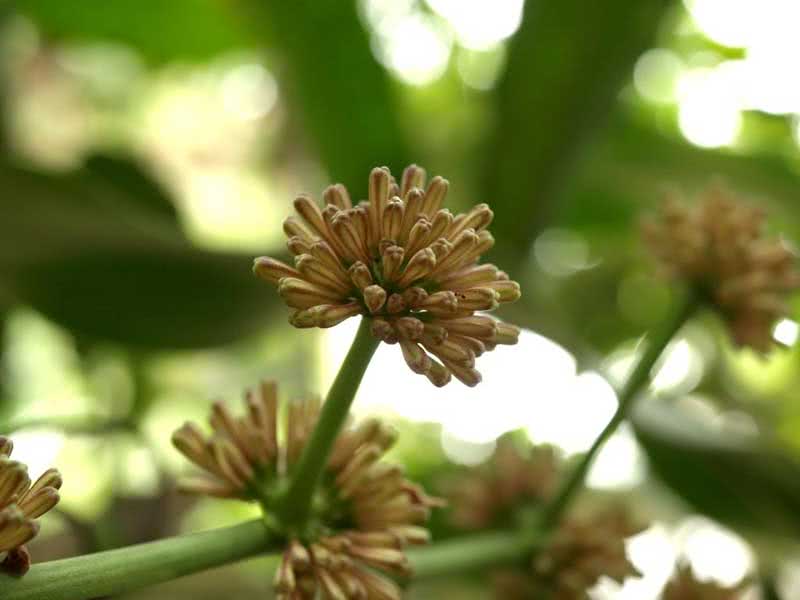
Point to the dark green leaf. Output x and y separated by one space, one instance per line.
566 66
161 31
343 94
730 477
152 298
100 252
124 174
108 204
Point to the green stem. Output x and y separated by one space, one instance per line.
296 506
126 569
769 589
655 346
469 552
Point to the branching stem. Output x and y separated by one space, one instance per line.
296 506
639 377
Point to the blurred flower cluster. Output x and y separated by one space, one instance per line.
584 547
717 247
364 513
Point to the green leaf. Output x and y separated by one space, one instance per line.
100 251
152 298
566 66
343 94
193 30
733 478
108 204
121 173
630 169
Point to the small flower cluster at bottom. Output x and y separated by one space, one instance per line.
582 549
20 504
364 514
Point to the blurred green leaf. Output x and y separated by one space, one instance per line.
120 173
565 68
108 204
332 76
730 477
162 31
100 251
152 298
621 180
631 167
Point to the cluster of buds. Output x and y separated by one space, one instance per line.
718 248
403 261
580 553
20 504
365 512
483 495
684 585
582 549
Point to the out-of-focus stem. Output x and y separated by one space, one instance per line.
656 342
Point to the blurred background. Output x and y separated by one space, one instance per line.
152 149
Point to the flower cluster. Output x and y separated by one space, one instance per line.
365 512
718 248
405 262
582 549
513 476
20 504
685 586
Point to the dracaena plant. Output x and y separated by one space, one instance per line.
342 522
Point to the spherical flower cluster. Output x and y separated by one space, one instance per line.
364 514
20 504
403 261
493 490
583 548
685 586
717 246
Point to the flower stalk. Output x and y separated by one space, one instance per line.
127 569
475 551
638 379
296 505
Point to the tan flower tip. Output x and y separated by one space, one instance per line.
398 255
20 504
366 514
717 246
374 298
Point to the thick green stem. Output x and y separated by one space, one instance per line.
769 588
115 572
126 569
655 346
297 503
470 552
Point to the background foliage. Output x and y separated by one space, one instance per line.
152 149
